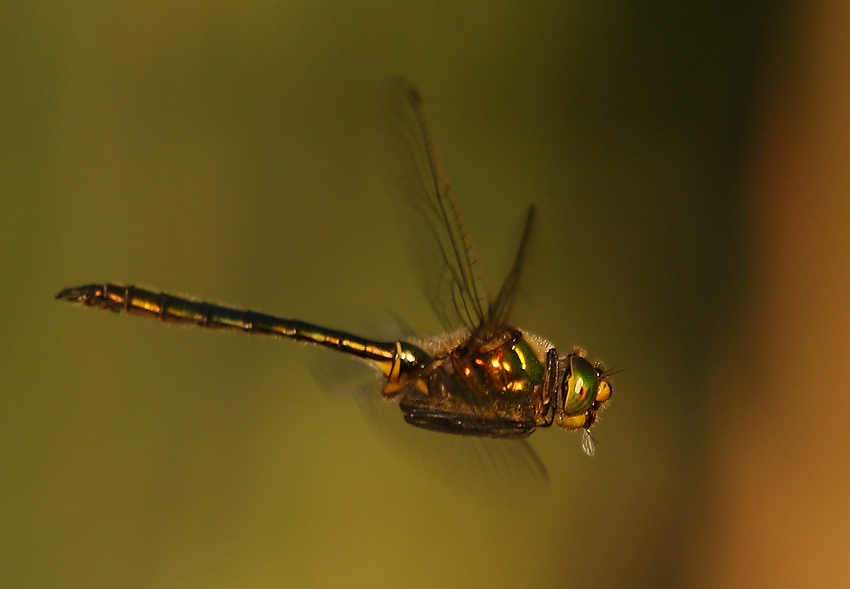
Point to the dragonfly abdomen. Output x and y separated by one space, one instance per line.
173 309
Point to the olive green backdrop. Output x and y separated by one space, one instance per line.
224 150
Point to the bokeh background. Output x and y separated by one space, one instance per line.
690 163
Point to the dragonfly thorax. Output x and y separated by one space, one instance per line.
485 386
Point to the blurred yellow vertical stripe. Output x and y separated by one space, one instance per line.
778 510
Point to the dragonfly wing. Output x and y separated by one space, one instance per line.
496 465
501 308
444 254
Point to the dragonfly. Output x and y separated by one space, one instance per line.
484 377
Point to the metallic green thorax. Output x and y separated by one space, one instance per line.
495 387
502 375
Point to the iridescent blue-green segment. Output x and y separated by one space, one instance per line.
391 357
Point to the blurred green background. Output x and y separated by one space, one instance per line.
222 149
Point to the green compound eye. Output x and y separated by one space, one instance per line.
580 386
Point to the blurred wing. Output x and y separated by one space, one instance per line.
445 256
479 464
501 309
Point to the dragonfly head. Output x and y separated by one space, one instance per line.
583 391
